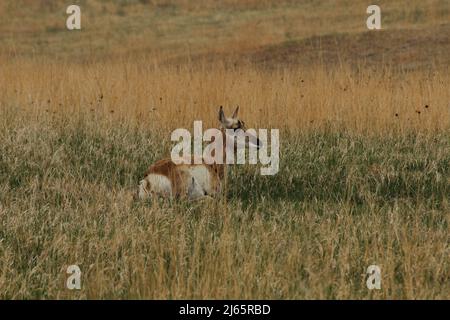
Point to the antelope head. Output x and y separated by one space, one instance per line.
237 126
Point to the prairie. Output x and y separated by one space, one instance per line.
364 121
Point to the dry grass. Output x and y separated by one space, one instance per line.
374 101
182 28
364 171
357 185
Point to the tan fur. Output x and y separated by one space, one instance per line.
181 179
187 180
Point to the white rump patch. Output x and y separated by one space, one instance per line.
157 184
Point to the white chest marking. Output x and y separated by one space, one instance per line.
202 179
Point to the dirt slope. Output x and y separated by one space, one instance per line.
405 49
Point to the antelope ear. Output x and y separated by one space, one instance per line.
235 113
221 115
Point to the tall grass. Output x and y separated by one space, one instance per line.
371 101
364 161
357 184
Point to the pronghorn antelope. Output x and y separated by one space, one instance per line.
193 181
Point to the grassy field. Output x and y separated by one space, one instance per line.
364 162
